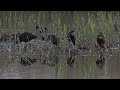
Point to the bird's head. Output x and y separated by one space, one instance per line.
71 32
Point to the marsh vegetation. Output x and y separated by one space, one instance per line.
66 60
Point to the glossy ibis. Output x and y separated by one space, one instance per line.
26 37
101 40
70 37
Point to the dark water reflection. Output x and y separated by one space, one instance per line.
84 68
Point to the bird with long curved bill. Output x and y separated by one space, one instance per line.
101 40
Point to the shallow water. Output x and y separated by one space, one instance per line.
84 68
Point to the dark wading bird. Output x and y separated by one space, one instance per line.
101 40
70 37
71 58
101 59
26 37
